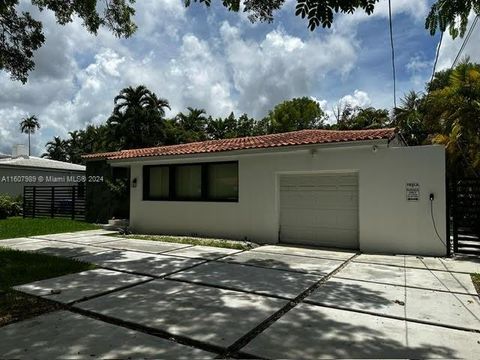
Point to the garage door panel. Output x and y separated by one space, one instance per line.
319 210
328 237
339 218
320 199
318 180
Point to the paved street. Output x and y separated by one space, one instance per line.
162 300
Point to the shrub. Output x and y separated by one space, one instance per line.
10 206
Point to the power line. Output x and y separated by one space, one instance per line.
465 41
393 54
437 53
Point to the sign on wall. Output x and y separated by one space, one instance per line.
413 191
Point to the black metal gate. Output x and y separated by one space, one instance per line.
465 215
54 201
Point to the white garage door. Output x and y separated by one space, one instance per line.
319 210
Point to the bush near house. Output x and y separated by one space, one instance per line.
10 206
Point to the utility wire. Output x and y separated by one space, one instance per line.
465 41
437 53
393 54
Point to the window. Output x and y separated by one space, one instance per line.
157 184
223 181
191 182
188 182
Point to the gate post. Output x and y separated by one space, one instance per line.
52 205
73 202
449 211
23 202
34 202
454 215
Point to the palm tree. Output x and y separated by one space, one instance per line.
73 147
455 109
131 98
28 126
408 118
137 118
159 104
195 120
56 150
192 124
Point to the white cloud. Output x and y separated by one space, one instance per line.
217 66
282 66
418 67
359 98
451 47
417 9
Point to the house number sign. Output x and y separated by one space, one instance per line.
413 191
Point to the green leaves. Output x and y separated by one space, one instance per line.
21 35
29 125
296 114
452 15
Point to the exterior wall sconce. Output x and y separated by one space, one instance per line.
374 148
134 183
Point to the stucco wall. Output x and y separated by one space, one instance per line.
388 223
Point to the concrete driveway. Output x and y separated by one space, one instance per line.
163 300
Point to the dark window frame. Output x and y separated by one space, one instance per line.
172 177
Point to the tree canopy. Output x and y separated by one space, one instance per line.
28 126
443 15
21 35
447 113
296 114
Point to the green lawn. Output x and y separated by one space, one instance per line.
18 268
476 281
18 227
221 243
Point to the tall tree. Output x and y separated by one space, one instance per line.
137 118
223 128
192 125
408 118
453 114
443 15
358 118
296 114
28 126
21 35
56 150
73 147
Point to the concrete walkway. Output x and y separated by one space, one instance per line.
162 300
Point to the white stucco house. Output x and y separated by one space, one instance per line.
18 170
348 189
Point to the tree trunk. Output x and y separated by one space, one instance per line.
28 144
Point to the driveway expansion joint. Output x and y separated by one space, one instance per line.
408 286
148 330
234 349
221 287
453 327
366 262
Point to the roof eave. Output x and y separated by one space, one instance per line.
247 152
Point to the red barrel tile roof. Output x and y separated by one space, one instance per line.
302 137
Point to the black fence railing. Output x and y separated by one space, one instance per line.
54 201
465 215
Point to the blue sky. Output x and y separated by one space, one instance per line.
216 60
